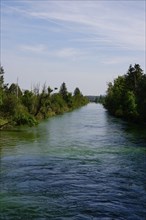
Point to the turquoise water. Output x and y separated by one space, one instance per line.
84 164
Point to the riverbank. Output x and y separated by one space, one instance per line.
18 107
9 125
30 120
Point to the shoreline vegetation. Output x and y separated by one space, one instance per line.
18 107
126 96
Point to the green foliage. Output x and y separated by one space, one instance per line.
79 100
22 117
100 99
26 108
58 104
28 100
49 90
63 91
9 105
3 122
115 96
133 77
126 97
141 98
15 90
130 105
77 92
25 119
1 77
1 84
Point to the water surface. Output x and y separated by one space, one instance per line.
84 164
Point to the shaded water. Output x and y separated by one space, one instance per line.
81 165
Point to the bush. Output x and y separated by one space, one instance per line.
25 119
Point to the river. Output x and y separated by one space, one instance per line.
82 165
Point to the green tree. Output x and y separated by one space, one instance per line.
29 101
141 98
1 84
77 92
15 90
63 91
130 105
115 96
58 104
9 105
126 97
133 77
49 91
1 76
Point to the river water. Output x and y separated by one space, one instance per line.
84 164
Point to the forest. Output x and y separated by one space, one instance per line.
25 107
126 96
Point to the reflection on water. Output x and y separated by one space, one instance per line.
81 165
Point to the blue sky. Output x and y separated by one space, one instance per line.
85 44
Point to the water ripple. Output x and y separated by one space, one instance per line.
81 165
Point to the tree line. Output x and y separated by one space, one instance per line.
126 96
19 107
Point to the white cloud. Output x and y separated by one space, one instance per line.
116 60
34 49
68 53
101 19
83 42
59 53
117 23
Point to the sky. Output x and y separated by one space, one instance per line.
85 44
